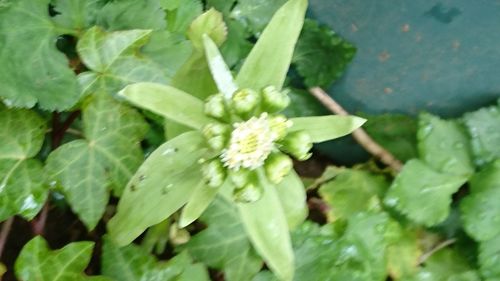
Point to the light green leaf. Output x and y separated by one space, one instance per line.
28 39
198 203
423 194
489 258
256 13
323 128
444 146
352 192
167 101
403 254
132 263
321 55
480 209
292 195
181 14
114 60
224 244
447 265
76 15
37 262
131 14
483 126
220 71
22 181
161 186
266 225
106 159
268 62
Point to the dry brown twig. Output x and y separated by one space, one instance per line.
359 135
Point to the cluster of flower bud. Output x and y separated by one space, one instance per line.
249 134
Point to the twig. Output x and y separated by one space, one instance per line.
438 247
38 225
359 135
58 130
4 234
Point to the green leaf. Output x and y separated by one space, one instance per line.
22 181
480 209
224 244
131 14
485 136
28 39
220 71
489 258
37 262
323 128
395 132
256 13
167 101
444 145
321 55
76 15
303 104
419 185
292 195
352 192
132 263
269 233
403 254
106 159
447 265
161 186
114 60
180 16
268 62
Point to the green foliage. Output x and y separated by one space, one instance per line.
37 262
321 56
130 14
86 170
22 187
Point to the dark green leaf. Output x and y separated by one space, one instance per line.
321 55
489 258
33 70
106 159
423 194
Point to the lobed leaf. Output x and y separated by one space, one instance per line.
86 169
268 62
131 14
76 15
323 128
483 127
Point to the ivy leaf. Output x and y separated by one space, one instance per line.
352 192
28 38
269 61
131 14
106 159
180 17
133 263
115 61
256 14
22 181
444 145
480 209
395 132
224 244
423 194
489 258
321 55
485 135
151 196
37 262
76 15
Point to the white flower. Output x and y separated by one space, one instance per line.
250 144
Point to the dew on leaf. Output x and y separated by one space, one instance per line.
28 204
169 150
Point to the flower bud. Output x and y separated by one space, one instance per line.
249 193
240 177
274 100
245 101
277 166
214 173
298 144
215 106
279 125
217 135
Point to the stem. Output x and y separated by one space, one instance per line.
38 225
438 247
4 234
58 130
359 134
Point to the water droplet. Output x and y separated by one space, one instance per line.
391 201
52 183
29 203
169 150
426 130
8 103
170 185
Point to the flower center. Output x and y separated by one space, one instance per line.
250 144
